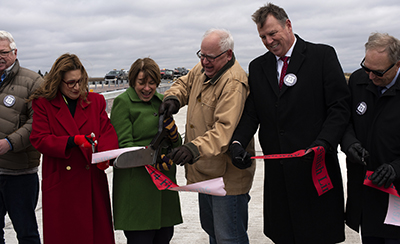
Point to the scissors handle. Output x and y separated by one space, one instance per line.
91 142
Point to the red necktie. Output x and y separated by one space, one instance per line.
283 72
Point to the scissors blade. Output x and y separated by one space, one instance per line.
136 158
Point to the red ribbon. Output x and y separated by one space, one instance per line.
161 181
320 176
391 189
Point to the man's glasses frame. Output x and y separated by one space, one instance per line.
377 73
209 58
72 83
5 54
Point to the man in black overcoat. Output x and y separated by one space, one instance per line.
372 140
310 109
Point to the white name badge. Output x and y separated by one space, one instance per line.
361 108
9 100
290 79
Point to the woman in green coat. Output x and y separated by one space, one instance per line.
144 213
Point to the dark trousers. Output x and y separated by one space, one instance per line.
19 196
161 236
378 240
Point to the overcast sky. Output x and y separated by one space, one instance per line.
110 35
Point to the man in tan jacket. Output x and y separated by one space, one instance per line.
215 91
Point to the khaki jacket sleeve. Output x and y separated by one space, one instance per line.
226 117
180 90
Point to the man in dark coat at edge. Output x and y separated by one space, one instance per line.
310 109
372 139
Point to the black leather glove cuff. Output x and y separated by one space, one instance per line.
169 106
396 168
240 157
357 154
322 143
193 149
181 155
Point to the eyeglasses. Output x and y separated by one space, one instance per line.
209 58
377 73
5 54
72 83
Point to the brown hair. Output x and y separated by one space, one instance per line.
260 16
52 80
148 66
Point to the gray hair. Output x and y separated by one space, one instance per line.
226 39
4 35
383 42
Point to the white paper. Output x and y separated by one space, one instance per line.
111 154
211 187
393 214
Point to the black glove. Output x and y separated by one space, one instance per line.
357 154
181 155
240 158
384 174
169 107
321 143
310 156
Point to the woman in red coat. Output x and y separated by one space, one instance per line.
76 201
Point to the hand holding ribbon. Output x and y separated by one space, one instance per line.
384 175
320 176
240 157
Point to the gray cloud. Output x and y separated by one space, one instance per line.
112 35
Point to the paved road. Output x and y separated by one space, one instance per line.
190 232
